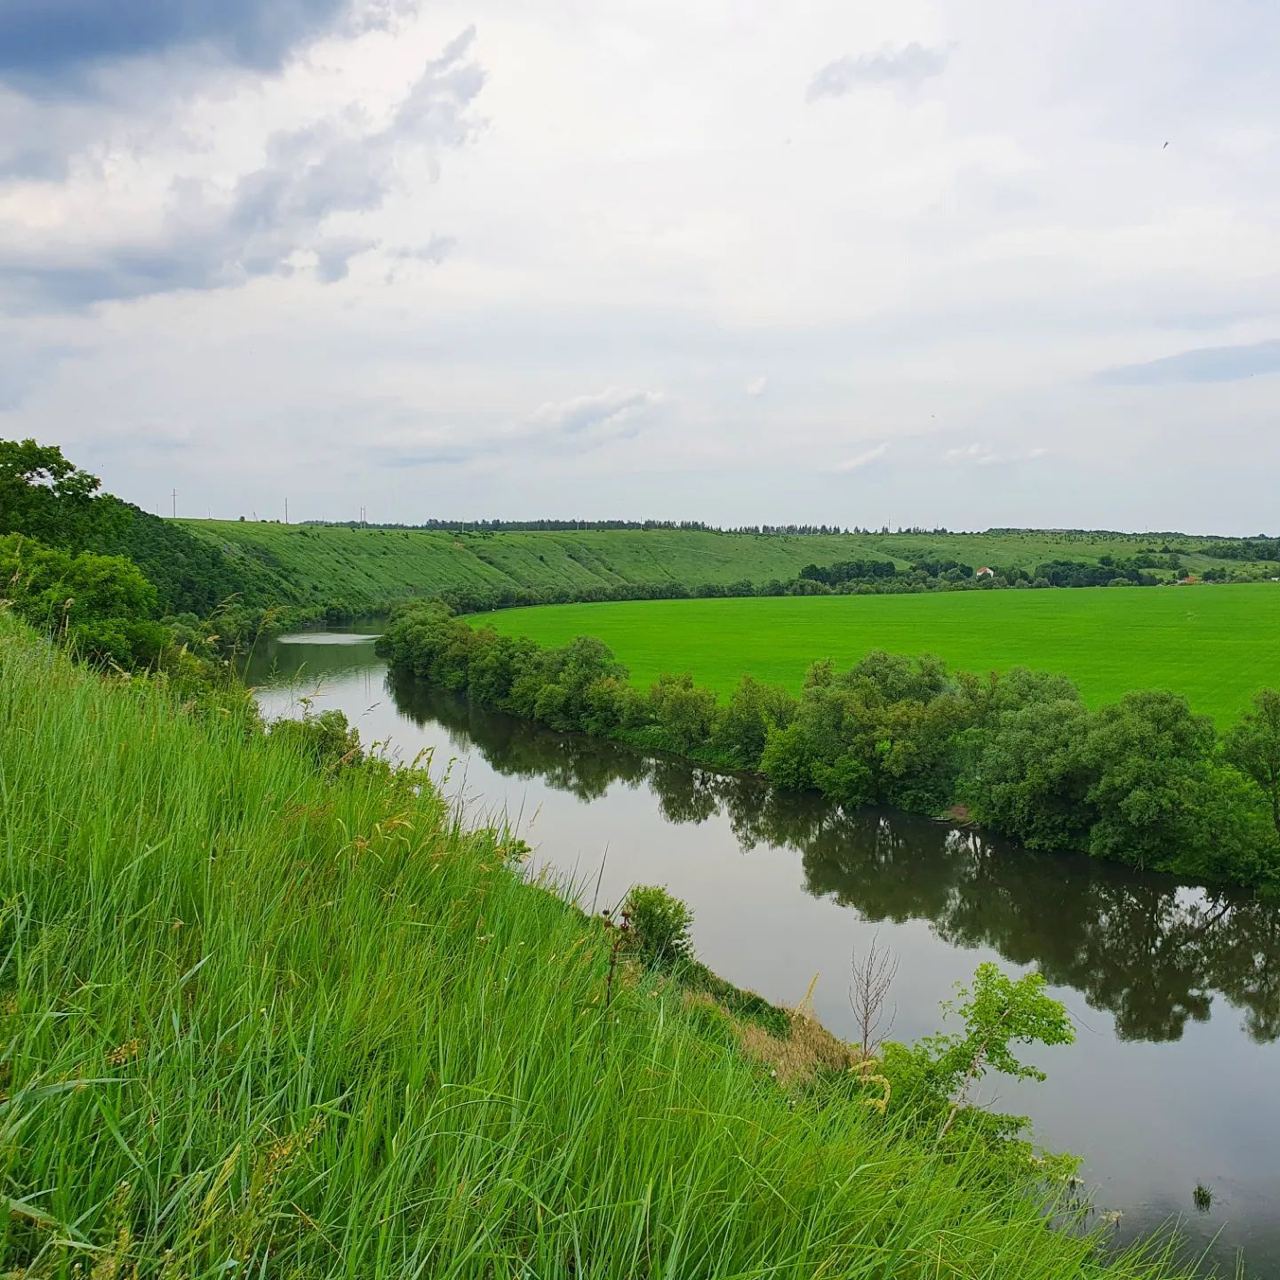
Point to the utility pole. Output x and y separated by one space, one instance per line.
286 511
174 495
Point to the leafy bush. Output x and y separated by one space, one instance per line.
660 924
937 1073
326 739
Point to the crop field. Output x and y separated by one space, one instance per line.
1214 644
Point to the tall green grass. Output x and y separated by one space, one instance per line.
262 1021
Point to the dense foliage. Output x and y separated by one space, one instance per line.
1143 780
46 497
101 605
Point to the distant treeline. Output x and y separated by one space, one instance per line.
578 526
1150 535
1143 781
847 577
946 574
1261 547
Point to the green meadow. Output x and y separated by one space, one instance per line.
1214 644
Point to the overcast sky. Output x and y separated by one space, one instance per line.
973 262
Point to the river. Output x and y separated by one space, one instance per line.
1174 1079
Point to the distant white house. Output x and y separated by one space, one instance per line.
985 572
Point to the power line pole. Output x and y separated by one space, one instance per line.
174 495
286 511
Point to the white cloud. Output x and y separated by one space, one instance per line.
218 234
909 67
611 412
984 455
863 459
757 386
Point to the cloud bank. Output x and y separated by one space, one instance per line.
213 238
1203 364
857 264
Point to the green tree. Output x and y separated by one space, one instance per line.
743 726
1027 775
1150 759
683 712
999 1012
1253 746
101 606
566 698
41 492
786 760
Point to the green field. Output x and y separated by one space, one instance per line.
1216 645
369 569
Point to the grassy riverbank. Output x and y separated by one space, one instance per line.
1216 645
267 1021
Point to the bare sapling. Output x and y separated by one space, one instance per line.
872 976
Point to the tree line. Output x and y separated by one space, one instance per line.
850 577
1143 781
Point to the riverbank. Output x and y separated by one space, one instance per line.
316 1025
1142 780
1169 984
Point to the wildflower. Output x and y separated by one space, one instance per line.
124 1053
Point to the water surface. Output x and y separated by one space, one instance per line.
1175 1076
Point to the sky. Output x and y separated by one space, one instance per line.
971 264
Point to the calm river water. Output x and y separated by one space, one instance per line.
1174 1078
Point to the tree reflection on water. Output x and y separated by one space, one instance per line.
1149 950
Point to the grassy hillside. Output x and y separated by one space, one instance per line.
369 569
1216 645
263 1021
372 568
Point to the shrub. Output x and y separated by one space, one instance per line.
660 923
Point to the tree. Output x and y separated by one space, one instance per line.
1253 746
743 726
101 606
871 978
41 493
998 1012
1150 758
25 463
683 711
1028 777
